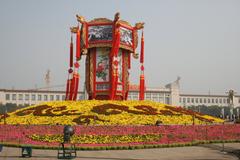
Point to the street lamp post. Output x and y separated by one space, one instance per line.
223 114
231 102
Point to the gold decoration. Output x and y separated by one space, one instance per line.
125 23
135 55
93 45
123 46
116 17
100 20
74 29
135 36
84 51
125 71
87 73
91 69
83 36
81 19
129 48
139 25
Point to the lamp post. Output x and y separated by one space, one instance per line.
231 102
70 151
223 115
68 131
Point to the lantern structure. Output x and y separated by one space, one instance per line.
108 46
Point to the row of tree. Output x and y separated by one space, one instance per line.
9 107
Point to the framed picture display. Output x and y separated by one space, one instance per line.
100 33
126 36
102 68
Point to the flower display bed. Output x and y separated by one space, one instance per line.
111 125
96 112
117 137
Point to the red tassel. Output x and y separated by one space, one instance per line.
142 49
116 82
68 85
76 87
78 45
142 84
117 44
72 87
142 87
71 53
113 77
67 89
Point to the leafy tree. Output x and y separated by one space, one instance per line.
9 107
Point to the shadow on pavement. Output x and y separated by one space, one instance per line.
224 149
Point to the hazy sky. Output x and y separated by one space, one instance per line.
198 40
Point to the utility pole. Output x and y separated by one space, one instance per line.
47 79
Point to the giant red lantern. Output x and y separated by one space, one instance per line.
108 46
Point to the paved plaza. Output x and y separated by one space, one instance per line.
202 152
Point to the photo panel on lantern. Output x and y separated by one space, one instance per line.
102 68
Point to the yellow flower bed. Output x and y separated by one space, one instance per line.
106 112
102 139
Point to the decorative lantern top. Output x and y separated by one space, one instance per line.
99 32
108 46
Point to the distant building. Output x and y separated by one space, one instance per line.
30 97
207 100
170 94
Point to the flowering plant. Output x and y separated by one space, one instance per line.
96 112
92 136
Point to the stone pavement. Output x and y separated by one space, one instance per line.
201 152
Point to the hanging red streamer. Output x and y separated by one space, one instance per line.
142 87
114 62
116 46
71 53
67 89
72 86
113 77
78 45
116 82
142 49
76 87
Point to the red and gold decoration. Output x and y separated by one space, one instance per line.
142 79
108 46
